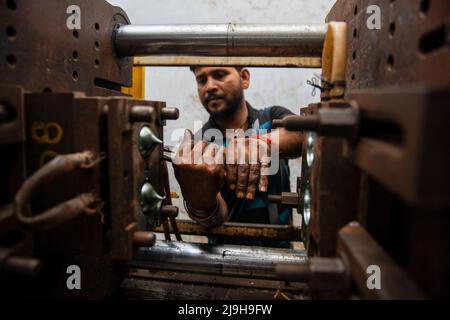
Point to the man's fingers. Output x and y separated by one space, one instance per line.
231 172
242 180
186 144
231 154
209 154
197 152
253 180
263 178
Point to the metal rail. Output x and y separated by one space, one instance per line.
227 260
225 40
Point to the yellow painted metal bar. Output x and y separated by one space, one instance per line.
137 90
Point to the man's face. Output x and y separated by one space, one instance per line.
220 89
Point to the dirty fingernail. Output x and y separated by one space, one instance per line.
240 195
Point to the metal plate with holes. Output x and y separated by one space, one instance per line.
42 54
410 47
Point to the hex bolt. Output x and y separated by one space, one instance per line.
338 121
28 267
144 239
321 274
289 199
301 123
21 266
169 113
142 114
169 211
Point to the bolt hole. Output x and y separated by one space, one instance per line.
390 60
353 76
11 59
11 4
75 55
11 32
424 6
433 40
75 34
355 33
97 62
125 174
75 76
356 10
354 55
392 29
47 90
97 45
97 26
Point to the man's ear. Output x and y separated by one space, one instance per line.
245 77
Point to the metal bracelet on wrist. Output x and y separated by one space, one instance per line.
201 213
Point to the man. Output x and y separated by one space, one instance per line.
215 192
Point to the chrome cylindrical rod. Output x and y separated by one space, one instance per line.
225 40
227 260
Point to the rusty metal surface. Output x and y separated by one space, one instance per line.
230 229
359 251
394 55
403 143
60 123
63 124
398 76
12 136
327 277
151 284
128 170
42 54
333 184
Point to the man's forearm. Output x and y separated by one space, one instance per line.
289 143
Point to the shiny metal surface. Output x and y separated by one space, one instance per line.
258 40
228 260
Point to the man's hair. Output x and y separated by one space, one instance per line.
192 68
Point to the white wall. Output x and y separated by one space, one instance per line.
176 86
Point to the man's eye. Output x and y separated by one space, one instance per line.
220 75
201 80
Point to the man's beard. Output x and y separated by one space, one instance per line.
230 106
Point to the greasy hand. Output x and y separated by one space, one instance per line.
200 172
245 160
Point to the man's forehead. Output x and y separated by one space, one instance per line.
207 70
